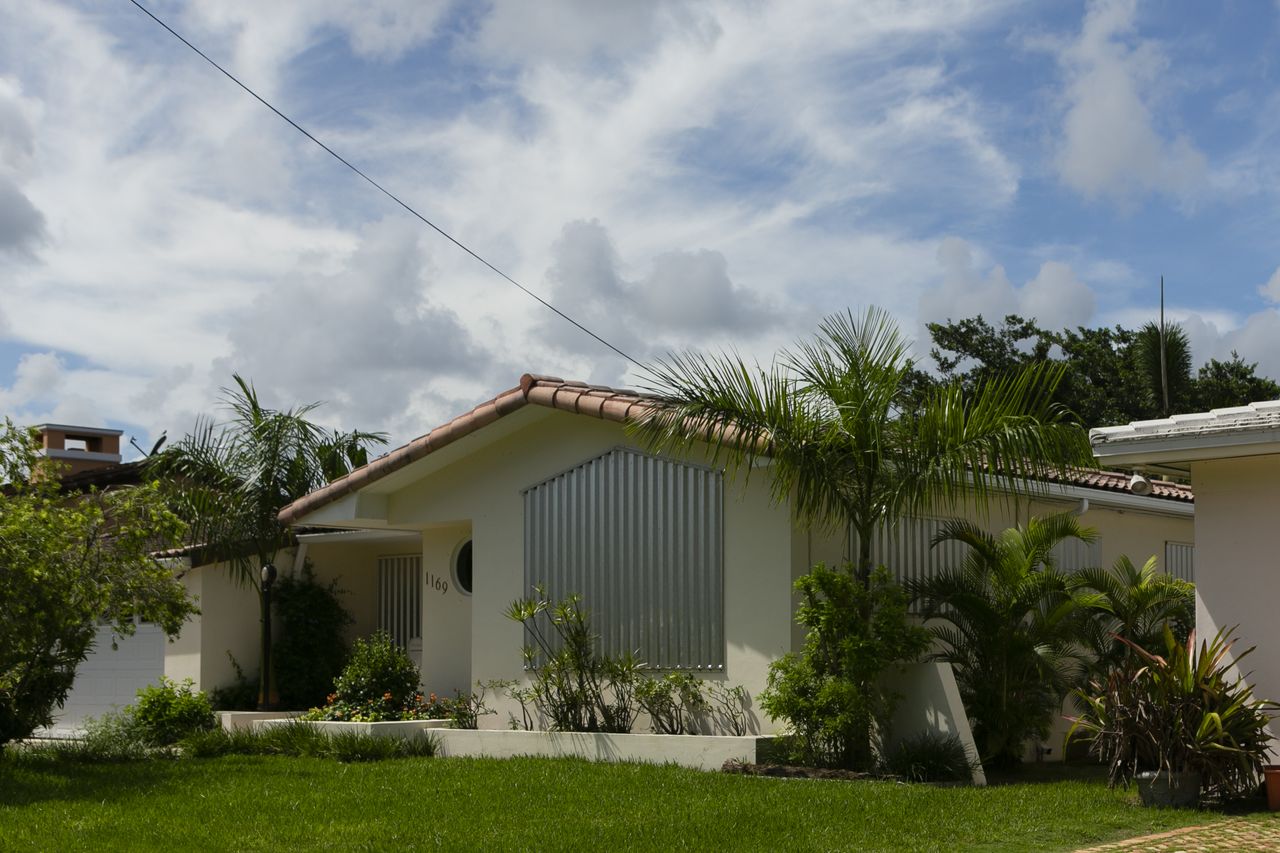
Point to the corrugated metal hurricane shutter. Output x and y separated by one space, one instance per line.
1180 560
400 597
1072 555
904 549
641 539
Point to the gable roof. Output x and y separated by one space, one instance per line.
610 404
599 401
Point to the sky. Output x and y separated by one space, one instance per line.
704 175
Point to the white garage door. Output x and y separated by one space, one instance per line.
110 678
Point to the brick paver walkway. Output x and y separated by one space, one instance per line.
1230 836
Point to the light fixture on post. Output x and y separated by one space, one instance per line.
267 700
1139 485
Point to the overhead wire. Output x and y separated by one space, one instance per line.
344 161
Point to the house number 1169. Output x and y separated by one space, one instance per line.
437 583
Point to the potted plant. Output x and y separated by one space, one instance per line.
1180 724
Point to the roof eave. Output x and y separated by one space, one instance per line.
1176 453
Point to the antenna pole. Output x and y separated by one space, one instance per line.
1164 369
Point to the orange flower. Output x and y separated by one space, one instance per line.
387 695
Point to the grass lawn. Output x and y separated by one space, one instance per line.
259 803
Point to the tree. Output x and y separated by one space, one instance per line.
1221 384
229 481
65 564
1130 602
843 448
1005 622
1164 361
1113 374
851 448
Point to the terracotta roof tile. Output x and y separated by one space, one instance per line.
611 404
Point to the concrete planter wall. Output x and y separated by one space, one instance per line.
702 752
394 728
234 720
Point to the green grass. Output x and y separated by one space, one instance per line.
271 802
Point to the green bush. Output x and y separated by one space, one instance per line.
574 687
466 709
311 649
930 757
377 667
674 702
301 740
168 711
107 739
379 683
832 692
1180 711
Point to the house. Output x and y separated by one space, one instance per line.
1233 459
675 561
543 484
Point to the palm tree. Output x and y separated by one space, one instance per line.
1133 603
230 480
1168 380
846 441
1004 621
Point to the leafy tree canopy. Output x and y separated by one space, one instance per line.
66 563
1113 375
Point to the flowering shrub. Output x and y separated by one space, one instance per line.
378 684
385 708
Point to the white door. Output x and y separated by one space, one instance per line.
110 678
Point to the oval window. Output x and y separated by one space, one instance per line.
462 568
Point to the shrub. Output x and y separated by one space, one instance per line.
379 683
310 651
1178 712
168 711
728 708
574 688
465 709
377 667
300 740
1132 602
930 757
110 738
1005 620
831 693
674 702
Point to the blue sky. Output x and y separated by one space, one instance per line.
676 175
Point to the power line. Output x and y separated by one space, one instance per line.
344 161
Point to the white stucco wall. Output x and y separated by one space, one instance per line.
1238 560
228 621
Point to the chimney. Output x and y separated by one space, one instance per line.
78 449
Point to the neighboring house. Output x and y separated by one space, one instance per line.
1233 459
675 561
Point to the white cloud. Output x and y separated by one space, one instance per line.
1111 142
22 225
736 152
1056 298
1271 290
363 339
